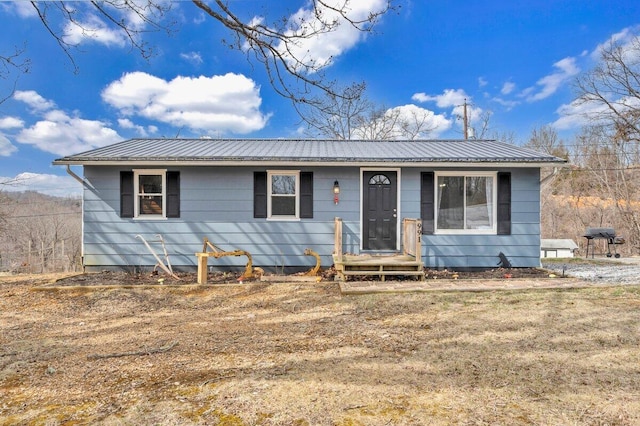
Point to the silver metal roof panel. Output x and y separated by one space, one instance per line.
270 151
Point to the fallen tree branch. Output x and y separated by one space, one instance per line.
135 353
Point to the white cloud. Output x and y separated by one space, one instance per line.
622 38
11 123
125 123
92 29
6 147
582 113
508 87
193 57
200 18
59 133
548 85
323 48
23 9
54 185
433 124
226 103
505 103
34 100
406 121
448 98
482 82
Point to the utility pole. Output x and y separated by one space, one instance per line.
466 132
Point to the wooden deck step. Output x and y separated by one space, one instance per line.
382 266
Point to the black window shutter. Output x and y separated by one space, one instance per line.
259 194
126 194
504 203
306 195
427 200
173 194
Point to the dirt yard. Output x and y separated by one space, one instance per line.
303 354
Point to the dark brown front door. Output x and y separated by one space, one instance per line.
380 210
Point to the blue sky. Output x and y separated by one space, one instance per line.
514 59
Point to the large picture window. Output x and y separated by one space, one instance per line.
283 194
466 203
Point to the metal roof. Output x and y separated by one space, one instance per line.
560 243
298 151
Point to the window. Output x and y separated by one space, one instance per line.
466 203
150 188
282 195
149 193
379 180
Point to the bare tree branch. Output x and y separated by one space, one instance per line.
279 48
611 90
293 75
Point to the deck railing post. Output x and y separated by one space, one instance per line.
337 239
412 236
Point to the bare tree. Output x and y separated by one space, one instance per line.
338 115
351 115
277 46
41 230
14 62
611 162
610 92
545 139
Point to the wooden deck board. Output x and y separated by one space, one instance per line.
381 265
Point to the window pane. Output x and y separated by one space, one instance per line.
379 180
479 202
283 206
450 202
150 184
283 184
151 204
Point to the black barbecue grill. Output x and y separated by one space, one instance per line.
608 234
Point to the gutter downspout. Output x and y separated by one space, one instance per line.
85 184
75 176
547 180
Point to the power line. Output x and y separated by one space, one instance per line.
45 215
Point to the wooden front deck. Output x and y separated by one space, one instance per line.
407 263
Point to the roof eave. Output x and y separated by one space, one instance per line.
300 163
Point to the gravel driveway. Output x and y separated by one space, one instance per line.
613 271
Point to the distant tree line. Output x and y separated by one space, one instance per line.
601 187
39 233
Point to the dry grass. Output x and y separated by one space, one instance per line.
302 354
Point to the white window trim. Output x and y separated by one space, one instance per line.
295 173
136 185
494 228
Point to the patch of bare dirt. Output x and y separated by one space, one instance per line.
303 354
107 278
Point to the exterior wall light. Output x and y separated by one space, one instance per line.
336 192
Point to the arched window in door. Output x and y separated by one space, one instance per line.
379 180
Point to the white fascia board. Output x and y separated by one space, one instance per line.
206 163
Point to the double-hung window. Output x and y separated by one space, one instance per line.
466 202
150 193
283 194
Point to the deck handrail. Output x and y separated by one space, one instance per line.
412 237
337 240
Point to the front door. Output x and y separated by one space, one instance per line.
380 210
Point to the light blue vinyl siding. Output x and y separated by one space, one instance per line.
217 203
522 247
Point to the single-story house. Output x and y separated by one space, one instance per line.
275 198
550 248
